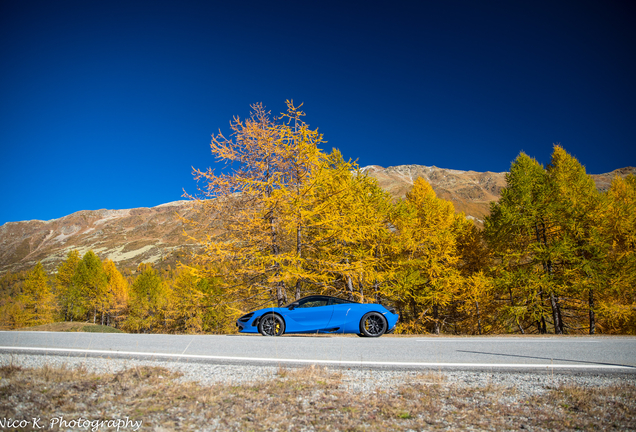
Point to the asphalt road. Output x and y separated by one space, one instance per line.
597 354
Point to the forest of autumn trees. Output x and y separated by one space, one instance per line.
283 219
86 289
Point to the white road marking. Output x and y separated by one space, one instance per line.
505 340
336 362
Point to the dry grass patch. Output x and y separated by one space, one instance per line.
308 399
72 327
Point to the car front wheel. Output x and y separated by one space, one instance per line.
271 325
373 324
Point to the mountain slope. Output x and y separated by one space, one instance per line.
129 237
470 192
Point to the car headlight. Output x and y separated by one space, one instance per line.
246 318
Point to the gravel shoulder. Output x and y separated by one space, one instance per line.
133 394
353 379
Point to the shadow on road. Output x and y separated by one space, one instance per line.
548 358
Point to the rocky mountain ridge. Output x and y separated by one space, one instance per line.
131 236
127 237
470 191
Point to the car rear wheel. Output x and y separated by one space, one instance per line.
271 325
373 324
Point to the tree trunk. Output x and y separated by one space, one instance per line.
544 326
592 316
376 289
297 290
554 301
558 305
547 268
436 319
414 310
281 295
350 288
298 254
512 303
478 317
376 284
558 329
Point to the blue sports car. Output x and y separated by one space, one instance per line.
321 314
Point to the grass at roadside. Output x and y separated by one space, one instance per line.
306 399
72 327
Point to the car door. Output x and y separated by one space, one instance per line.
341 312
310 315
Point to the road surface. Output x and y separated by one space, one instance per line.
589 354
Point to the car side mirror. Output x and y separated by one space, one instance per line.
293 306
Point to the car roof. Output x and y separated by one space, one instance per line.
321 296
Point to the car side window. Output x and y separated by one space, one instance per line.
313 303
337 301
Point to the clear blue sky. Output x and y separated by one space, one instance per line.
108 104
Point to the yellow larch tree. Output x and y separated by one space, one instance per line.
521 232
580 249
428 275
37 298
188 301
302 174
65 288
617 307
198 303
12 314
476 300
350 231
89 283
476 297
258 215
241 208
116 295
149 299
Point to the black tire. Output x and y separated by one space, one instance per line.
360 335
271 325
373 324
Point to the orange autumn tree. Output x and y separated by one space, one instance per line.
253 213
284 219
